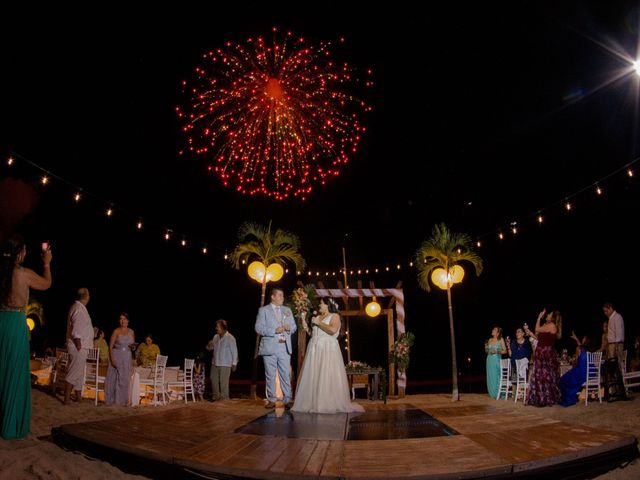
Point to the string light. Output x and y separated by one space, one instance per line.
204 250
109 211
44 180
567 205
478 244
167 235
183 242
10 161
514 229
630 172
500 236
226 257
76 197
598 190
139 225
540 219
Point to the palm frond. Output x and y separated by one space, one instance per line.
444 249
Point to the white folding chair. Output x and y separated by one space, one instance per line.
186 384
156 383
522 384
592 383
505 378
59 372
92 378
631 379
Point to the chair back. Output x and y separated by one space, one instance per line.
505 378
161 365
522 367
592 383
188 369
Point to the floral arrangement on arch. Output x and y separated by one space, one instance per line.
302 301
399 354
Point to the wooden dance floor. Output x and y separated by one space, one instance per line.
423 436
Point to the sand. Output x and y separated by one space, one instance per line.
36 457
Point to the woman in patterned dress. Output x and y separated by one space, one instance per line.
543 386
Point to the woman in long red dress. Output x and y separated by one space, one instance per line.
543 385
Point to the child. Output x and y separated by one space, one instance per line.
198 376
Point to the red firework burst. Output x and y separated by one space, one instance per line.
275 118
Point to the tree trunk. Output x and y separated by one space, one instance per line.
253 394
302 347
454 364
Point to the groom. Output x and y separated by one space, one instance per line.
275 324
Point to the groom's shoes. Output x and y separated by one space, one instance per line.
288 405
270 405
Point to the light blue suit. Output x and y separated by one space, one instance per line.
276 354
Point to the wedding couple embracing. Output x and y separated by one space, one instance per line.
323 386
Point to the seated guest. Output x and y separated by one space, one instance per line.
571 382
147 352
101 343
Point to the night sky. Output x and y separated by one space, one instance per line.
482 116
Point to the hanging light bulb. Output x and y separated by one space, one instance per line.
373 308
10 161
76 197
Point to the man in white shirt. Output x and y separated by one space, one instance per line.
615 333
224 360
79 341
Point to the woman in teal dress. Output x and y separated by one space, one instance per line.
15 377
494 347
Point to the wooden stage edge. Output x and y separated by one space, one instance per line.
493 442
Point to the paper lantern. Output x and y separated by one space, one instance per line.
274 272
456 274
373 308
439 278
256 271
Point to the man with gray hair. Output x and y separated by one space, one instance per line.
79 341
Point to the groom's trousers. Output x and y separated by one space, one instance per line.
280 362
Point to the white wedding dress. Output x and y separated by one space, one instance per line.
323 386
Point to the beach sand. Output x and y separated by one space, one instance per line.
36 457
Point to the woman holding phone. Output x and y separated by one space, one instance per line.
15 378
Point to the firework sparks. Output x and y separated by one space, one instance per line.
274 118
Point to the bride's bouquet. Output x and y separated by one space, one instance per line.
302 302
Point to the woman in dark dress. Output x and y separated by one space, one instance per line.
543 386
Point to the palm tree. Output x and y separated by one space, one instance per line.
446 249
258 242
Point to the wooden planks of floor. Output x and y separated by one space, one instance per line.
201 438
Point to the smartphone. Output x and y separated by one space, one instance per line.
44 246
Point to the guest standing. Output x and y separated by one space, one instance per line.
117 382
494 347
543 386
15 378
147 352
615 334
79 342
224 360
604 342
101 344
518 350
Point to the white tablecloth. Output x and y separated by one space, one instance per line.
171 374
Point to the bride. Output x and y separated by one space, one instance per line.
323 386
